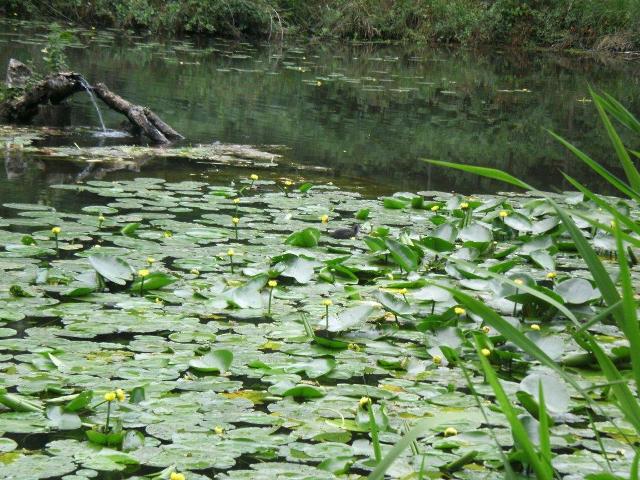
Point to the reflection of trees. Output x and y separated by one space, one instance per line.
358 131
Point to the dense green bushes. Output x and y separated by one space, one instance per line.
607 24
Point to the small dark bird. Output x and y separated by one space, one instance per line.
345 233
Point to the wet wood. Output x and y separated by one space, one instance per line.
55 88
51 90
142 117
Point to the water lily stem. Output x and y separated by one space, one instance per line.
141 286
270 297
106 424
326 315
515 304
231 262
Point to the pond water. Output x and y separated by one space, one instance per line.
368 113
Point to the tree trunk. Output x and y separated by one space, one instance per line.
57 87
53 89
142 117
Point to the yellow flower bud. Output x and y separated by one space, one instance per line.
450 432
485 352
354 347
236 201
518 281
110 396
167 234
324 219
288 183
459 311
272 283
402 291
56 230
121 395
437 359
176 476
195 271
486 329
143 273
327 302
218 430
464 205
435 208
230 252
503 214
101 218
535 326
551 275
254 177
364 401
235 220
151 260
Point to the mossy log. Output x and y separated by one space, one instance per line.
24 104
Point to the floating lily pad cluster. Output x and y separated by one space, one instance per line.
268 348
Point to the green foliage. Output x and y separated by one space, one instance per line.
54 56
606 24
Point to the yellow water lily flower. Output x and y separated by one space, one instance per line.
121 395
236 201
235 220
464 205
437 359
324 219
486 329
450 432
254 177
327 302
56 230
176 476
110 396
485 352
151 260
218 430
518 281
503 213
535 326
272 283
230 252
143 272
195 271
364 401
551 275
459 311
435 208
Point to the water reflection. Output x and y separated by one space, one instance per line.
368 112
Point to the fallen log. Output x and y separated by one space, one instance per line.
55 88
52 89
142 117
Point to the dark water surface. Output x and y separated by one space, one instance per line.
368 113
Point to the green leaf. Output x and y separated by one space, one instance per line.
303 391
217 361
115 270
153 281
403 255
350 318
483 171
130 229
63 420
81 401
307 238
363 213
394 203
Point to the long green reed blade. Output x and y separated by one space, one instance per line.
633 226
627 402
544 429
541 468
398 448
599 169
620 113
629 315
630 170
483 171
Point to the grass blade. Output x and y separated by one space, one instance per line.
620 113
398 448
633 176
599 169
541 468
493 173
543 418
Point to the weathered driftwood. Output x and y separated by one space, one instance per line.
52 89
57 87
142 117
